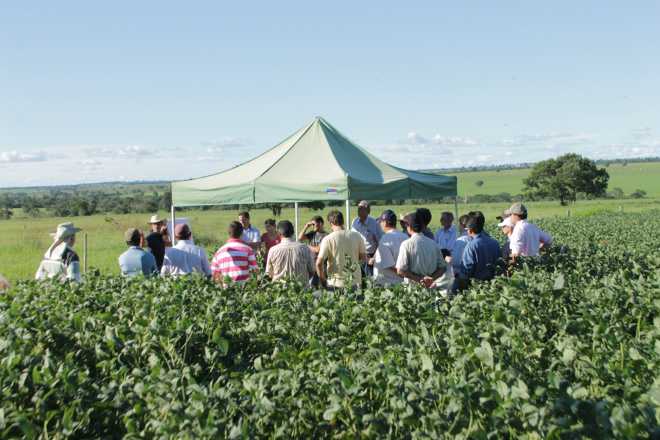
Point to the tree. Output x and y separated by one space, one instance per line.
479 183
617 193
637 194
564 177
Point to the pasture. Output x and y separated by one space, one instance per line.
565 348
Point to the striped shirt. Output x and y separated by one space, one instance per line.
234 260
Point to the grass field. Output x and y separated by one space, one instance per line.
26 240
644 176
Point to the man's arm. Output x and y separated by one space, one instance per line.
319 270
253 244
303 234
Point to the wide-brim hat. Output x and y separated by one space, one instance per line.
64 230
155 219
517 209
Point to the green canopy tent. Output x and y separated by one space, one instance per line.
316 163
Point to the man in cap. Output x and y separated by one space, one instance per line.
290 258
136 261
527 238
335 248
457 254
235 259
388 251
420 260
154 242
60 260
481 255
185 257
507 229
371 234
403 224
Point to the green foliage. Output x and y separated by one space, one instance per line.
566 348
638 194
564 177
479 183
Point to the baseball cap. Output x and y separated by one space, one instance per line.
387 216
505 222
132 234
517 209
181 229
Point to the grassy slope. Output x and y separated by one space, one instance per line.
645 176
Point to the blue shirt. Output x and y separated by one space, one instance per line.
480 258
137 261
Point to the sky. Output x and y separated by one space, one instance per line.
162 90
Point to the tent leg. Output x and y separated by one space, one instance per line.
458 233
295 206
172 231
347 222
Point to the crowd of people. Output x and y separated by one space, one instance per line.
388 249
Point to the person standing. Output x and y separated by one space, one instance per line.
507 229
457 255
426 220
371 234
388 251
135 260
251 236
269 238
446 235
185 257
527 239
481 256
420 260
155 241
60 260
337 248
235 259
315 238
290 258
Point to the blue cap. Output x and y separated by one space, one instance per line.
388 216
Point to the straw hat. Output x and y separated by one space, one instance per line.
64 230
155 219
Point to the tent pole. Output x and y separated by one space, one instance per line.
348 215
173 227
458 233
295 206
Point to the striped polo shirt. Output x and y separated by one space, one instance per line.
235 260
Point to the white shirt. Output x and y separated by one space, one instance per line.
526 239
446 238
459 247
370 231
185 258
251 235
386 256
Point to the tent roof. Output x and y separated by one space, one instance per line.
316 163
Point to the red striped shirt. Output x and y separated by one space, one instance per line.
235 260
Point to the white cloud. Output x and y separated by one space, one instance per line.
91 162
15 156
641 132
98 152
416 139
136 150
217 146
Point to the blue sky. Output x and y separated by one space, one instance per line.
160 90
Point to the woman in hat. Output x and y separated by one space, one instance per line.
60 260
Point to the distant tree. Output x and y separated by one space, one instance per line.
479 183
276 208
617 193
5 213
564 177
637 194
316 206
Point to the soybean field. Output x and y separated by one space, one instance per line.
568 347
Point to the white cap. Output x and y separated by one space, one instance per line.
506 222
